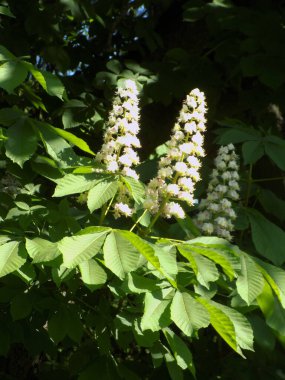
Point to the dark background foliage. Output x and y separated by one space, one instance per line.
232 50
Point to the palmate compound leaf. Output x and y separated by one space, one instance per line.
233 327
120 256
180 350
250 281
205 270
155 309
101 193
79 248
92 274
188 314
12 257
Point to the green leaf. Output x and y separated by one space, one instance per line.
57 147
21 131
5 54
144 338
181 352
233 327
204 268
250 281
120 256
243 329
58 325
263 335
139 284
143 247
41 250
275 149
214 253
76 183
155 305
21 306
71 138
252 151
6 11
9 116
268 238
221 323
12 74
167 258
79 248
101 193
188 314
237 132
12 257
175 372
49 82
135 187
92 274
272 204
275 278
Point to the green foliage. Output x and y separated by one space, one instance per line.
85 295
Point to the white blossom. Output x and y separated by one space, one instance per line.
120 139
179 167
216 214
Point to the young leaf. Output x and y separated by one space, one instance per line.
79 248
101 193
120 256
250 281
188 314
155 305
268 238
12 257
92 274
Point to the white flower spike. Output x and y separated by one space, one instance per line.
179 168
216 215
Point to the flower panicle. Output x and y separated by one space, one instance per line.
178 169
118 152
216 215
